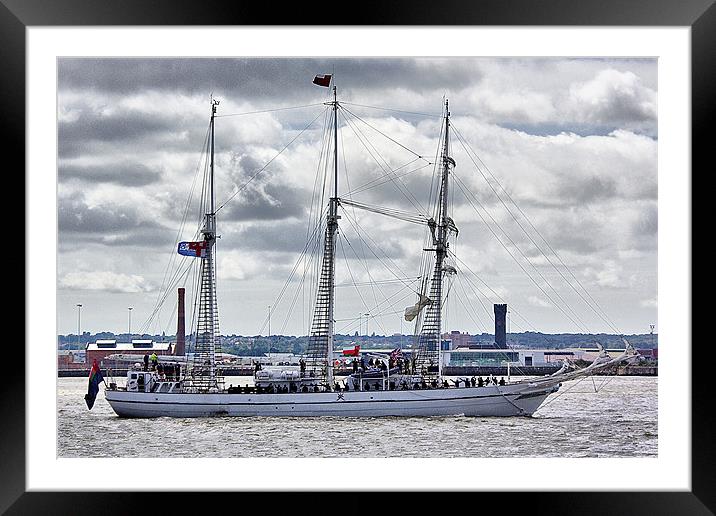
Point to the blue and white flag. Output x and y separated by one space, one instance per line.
196 249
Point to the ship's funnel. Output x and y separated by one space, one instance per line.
501 326
180 347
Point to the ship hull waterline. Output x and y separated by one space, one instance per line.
509 400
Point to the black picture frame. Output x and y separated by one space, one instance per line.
17 15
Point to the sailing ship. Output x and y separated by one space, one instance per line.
417 388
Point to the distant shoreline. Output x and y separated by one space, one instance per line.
447 371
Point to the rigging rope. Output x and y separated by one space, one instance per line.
316 232
404 190
268 110
385 135
268 163
340 241
372 283
388 212
357 226
497 296
162 294
549 402
360 240
574 319
598 310
381 181
435 115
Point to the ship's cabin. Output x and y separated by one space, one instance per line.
149 381
285 381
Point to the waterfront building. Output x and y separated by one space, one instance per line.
71 359
105 347
476 355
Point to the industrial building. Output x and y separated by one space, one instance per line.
103 348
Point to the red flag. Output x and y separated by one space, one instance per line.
322 80
351 352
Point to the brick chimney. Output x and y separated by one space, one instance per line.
500 326
179 349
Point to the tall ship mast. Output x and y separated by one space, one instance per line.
428 360
321 340
383 386
204 376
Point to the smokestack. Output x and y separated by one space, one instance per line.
501 326
179 349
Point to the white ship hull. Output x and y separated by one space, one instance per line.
508 400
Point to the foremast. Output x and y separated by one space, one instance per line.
204 375
428 360
321 340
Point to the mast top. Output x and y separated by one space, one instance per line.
210 225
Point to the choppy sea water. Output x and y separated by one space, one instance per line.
620 420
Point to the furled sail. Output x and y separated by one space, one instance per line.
412 312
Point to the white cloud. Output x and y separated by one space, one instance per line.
538 302
240 265
106 281
613 96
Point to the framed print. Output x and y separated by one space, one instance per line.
430 251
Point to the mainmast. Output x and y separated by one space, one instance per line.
332 230
429 361
321 340
204 372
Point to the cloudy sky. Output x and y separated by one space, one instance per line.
573 142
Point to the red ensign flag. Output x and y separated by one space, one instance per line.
322 80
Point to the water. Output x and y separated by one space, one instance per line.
618 421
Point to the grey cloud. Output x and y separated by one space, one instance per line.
120 126
568 232
643 230
152 238
648 222
108 224
275 202
287 236
257 77
585 190
75 216
263 198
125 173
95 133
574 240
291 237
